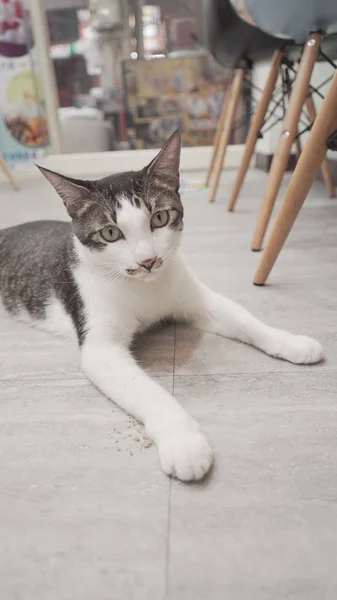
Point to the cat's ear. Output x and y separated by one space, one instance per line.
165 165
74 192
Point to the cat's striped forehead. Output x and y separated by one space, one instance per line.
150 194
130 208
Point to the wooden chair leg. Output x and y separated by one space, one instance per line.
217 136
236 90
289 130
325 165
298 148
302 179
7 172
255 127
327 178
297 141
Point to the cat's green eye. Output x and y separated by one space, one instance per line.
160 218
111 233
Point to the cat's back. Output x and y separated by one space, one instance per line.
29 251
32 238
36 261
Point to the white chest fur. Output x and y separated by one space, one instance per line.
127 306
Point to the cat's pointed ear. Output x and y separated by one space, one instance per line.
74 192
165 165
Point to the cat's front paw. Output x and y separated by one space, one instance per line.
185 453
298 349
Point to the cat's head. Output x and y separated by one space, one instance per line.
128 224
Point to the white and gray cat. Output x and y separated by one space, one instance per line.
115 271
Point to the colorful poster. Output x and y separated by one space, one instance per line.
163 95
23 122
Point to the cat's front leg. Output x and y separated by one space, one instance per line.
212 312
183 450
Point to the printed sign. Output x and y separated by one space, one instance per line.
23 121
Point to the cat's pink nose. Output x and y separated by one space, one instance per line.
148 263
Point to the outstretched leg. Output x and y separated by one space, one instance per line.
183 450
212 312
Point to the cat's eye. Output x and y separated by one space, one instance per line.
111 233
160 218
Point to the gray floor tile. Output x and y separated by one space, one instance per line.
27 353
81 491
264 521
154 350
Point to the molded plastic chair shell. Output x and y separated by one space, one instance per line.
231 40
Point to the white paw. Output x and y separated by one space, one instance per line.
298 349
185 453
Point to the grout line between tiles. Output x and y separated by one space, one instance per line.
254 373
64 379
174 355
167 546
178 375
168 529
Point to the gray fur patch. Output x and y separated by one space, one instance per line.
36 262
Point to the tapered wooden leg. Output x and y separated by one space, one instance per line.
255 127
302 179
297 140
279 163
236 90
325 165
217 136
298 148
7 172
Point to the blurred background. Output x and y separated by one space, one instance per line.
98 75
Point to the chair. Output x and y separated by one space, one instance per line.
320 17
255 131
236 44
308 22
294 19
323 135
278 63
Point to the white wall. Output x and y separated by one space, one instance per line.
59 4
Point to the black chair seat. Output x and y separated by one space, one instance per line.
232 41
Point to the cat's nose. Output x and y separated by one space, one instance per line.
148 263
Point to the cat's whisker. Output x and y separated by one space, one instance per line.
113 276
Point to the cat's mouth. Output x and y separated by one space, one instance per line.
144 273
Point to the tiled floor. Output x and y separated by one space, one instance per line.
86 513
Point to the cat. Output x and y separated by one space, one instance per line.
113 272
